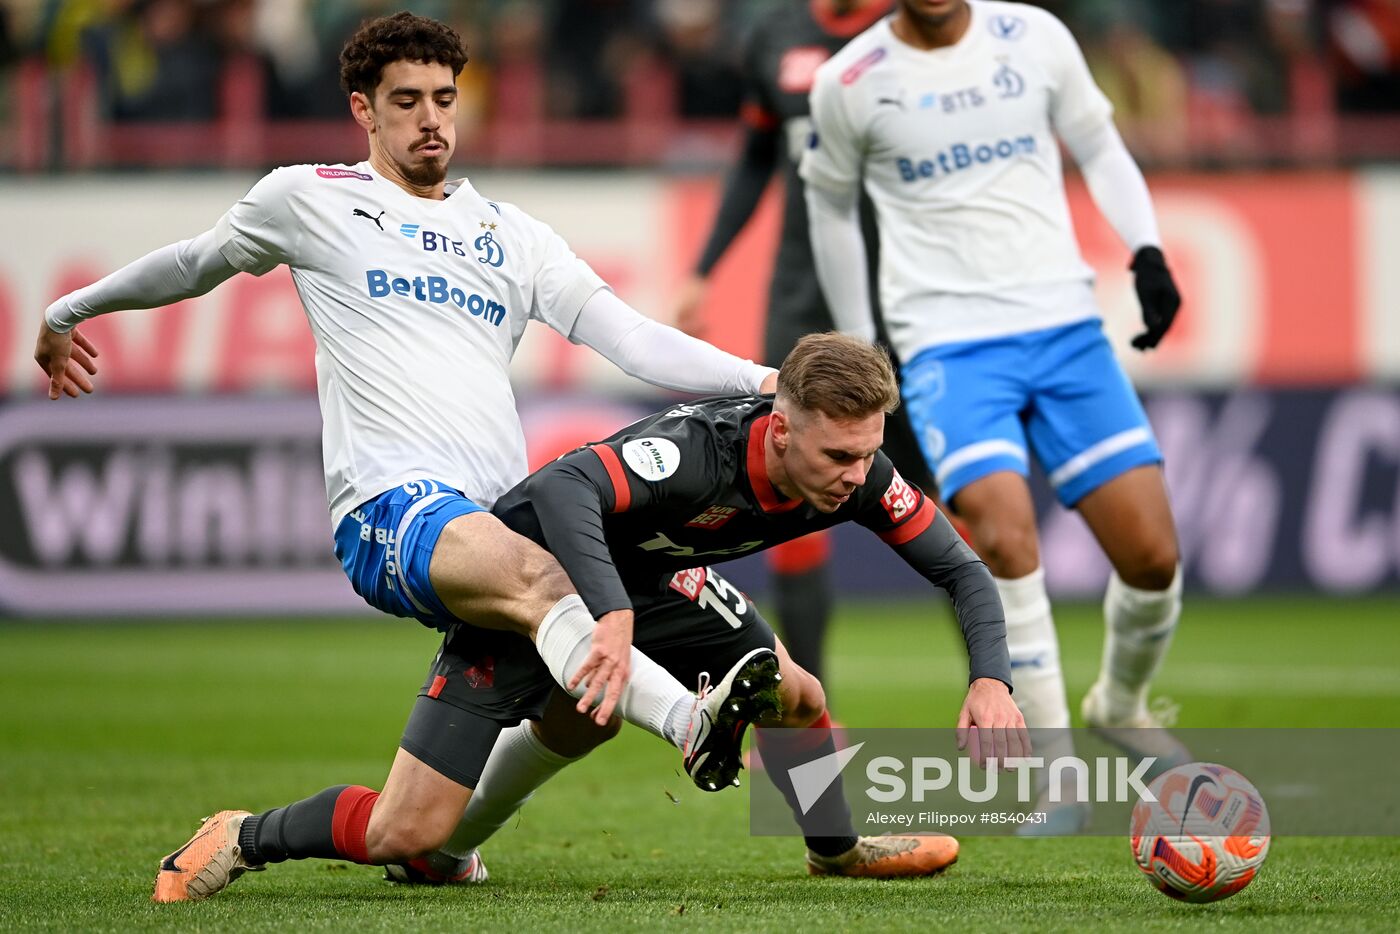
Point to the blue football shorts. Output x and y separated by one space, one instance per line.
386 546
979 407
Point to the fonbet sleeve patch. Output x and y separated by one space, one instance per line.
652 458
900 499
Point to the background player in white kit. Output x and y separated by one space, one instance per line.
948 113
417 292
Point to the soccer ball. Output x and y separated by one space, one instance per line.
1205 836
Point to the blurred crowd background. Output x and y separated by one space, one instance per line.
1196 83
1270 130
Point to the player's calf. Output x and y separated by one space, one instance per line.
826 822
414 816
803 697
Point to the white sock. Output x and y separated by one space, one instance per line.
1035 665
1035 651
1140 624
564 639
519 764
677 727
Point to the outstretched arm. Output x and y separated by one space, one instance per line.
568 503
170 274
1083 119
833 167
989 719
838 246
945 560
743 188
908 522
569 498
1115 183
1119 190
661 355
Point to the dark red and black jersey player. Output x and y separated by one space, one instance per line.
637 519
781 55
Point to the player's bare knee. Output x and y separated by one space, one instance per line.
1153 566
1010 550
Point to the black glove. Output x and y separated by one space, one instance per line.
1157 295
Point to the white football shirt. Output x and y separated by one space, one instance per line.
417 307
956 149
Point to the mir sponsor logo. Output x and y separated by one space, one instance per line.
961 156
435 290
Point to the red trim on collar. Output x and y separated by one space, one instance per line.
768 498
856 21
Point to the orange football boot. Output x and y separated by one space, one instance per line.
888 857
206 864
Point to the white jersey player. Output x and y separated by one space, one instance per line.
417 292
417 306
950 114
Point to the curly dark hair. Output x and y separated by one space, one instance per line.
403 37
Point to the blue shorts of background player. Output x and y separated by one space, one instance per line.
386 547
983 406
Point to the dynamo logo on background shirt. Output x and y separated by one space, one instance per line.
435 290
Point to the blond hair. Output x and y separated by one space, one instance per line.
840 376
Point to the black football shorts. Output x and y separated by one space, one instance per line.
484 680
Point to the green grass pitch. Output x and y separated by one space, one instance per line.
116 739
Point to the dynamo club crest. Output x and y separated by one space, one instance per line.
490 249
